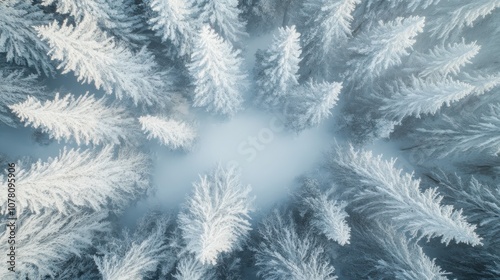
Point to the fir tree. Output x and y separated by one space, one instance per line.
215 219
383 193
423 97
283 254
465 15
47 240
223 16
326 26
18 39
189 268
15 86
442 61
115 16
171 133
311 103
403 259
277 70
82 180
84 119
384 45
470 134
328 215
97 58
216 70
173 21
136 257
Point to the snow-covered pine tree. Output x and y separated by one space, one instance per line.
215 219
171 133
328 215
115 16
383 193
468 134
442 61
423 97
403 259
384 45
82 180
216 69
482 82
283 254
18 39
45 241
276 71
15 87
223 16
136 257
97 58
464 15
190 268
481 202
311 103
174 22
84 119
326 26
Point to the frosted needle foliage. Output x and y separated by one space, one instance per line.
216 217
388 194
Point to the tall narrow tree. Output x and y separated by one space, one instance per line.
277 69
84 119
216 69
216 217
97 58
224 17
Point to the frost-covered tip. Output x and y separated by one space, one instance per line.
97 58
384 193
424 97
171 133
84 119
329 217
442 61
215 219
384 45
284 254
217 74
173 22
277 71
311 104
82 180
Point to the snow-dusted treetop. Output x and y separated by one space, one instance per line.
140 258
284 254
81 180
84 119
116 16
327 24
97 58
18 38
442 61
311 103
46 240
224 17
385 194
172 133
384 45
217 72
215 219
174 22
14 88
277 72
424 97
